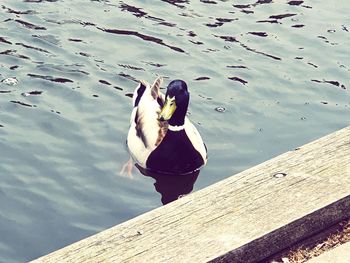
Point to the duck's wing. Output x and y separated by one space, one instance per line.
146 131
196 139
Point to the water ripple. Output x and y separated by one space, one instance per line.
40 1
142 36
23 103
34 48
13 53
50 78
177 3
240 80
295 2
260 34
132 9
3 40
32 93
29 25
332 82
282 16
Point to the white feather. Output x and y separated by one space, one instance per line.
196 139
147 109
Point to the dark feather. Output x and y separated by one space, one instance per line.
139 124
175 154
160 102
140 92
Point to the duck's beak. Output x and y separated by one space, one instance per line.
168 109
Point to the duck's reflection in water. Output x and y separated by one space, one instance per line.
171 186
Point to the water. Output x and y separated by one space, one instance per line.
264 78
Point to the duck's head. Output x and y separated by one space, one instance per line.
176 103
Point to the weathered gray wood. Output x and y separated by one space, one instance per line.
244 218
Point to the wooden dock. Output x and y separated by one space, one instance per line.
245 218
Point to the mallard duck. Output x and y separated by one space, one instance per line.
161 138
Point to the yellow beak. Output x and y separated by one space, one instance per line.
168 109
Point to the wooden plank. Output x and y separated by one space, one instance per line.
244 218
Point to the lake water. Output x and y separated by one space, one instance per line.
265 77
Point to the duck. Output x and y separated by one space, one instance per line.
161 138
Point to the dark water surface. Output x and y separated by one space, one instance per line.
265 77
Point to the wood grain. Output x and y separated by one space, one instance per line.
244 218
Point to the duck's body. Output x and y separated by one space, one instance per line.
161 138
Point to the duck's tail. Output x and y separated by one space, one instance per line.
153 91
156 87
139 91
